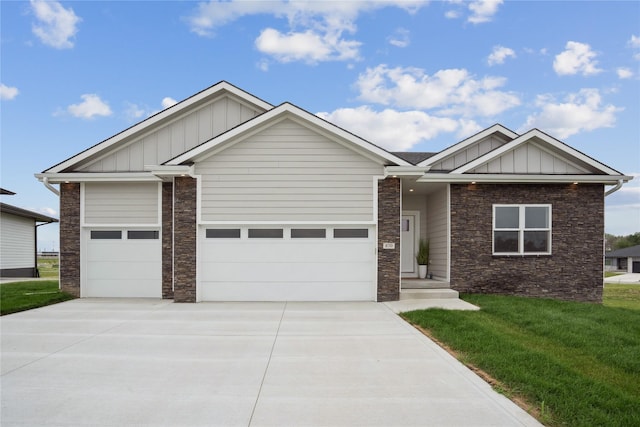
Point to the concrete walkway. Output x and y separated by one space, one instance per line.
154 363
624 279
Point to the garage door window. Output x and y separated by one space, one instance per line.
350 233
308 233
265 233
142 234
223 233
106 234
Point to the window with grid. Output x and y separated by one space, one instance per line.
522 229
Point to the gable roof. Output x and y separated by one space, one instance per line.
413 157
291 111
14 210
540 137
632 251
496 129
211 92
6 192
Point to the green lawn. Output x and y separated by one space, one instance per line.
48 267
20 296
574 364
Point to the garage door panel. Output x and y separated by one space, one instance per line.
287 272
291 250
292 291
109 288
124 270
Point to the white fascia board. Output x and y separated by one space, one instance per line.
447 152
405 170
522 178
535 133
169 171
162 115
286 108
57 178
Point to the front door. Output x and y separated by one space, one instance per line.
408 244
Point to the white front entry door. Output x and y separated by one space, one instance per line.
408 244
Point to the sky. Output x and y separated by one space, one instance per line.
406 75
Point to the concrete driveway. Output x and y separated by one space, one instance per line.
152 363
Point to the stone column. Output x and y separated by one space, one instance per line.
389 232
70 238
167 240
184 250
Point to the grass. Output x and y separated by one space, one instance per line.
20 296
622 296
573 364
48 267
611 274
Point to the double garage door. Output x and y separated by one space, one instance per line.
287 264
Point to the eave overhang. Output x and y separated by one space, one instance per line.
58 178
396 171
522 179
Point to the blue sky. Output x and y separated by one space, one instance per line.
407 75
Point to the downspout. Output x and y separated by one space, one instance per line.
614 189
50 187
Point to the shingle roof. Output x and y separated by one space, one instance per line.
633 251
413 157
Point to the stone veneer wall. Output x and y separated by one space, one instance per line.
167 240
70 238
572 272
389 232
184 251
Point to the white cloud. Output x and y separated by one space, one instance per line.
48 211
390 129
134 112
580 112
634 41
499 54
624 73
316 29
168 102
7 93
452 14
483 10
55 25
576 58
451 91
308 46
400 38
90 107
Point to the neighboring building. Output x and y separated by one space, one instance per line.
626 259
19 239
226 197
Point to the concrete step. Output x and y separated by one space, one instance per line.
424 284
428 294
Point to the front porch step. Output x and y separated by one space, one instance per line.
424 284
444 293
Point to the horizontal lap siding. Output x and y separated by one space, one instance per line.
121 203
287 173
18 235
176 137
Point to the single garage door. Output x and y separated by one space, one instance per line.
123 263
635 267
287 264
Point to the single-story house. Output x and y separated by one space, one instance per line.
19 239
225 197
626 259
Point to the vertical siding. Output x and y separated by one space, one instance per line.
287 173
174 138
437 218
529 159
121 203
17 243
469 154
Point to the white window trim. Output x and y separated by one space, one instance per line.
521 229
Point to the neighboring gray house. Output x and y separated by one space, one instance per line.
19 239
225 197
626 259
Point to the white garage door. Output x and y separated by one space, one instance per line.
123 263
287 264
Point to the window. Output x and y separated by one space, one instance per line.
521 229
308 233
223 233
106 234
346 233
142 234
265 233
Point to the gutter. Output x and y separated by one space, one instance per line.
50 187
614 189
